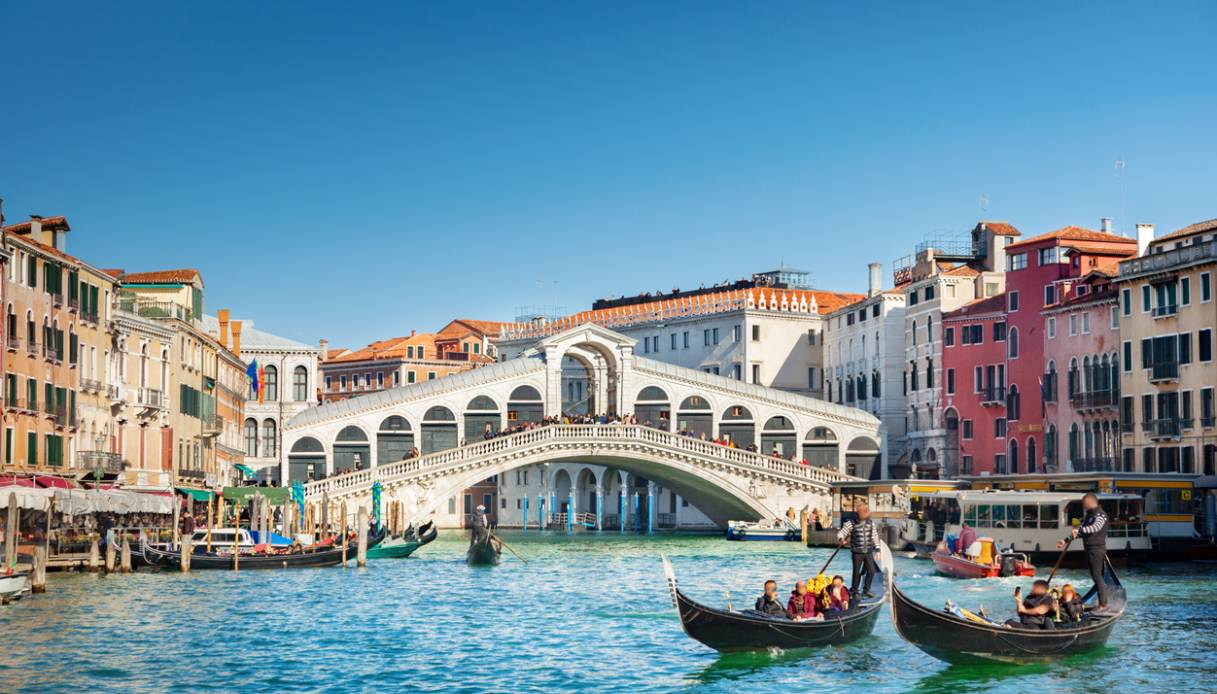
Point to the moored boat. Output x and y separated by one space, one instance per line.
317 555
763 530
730 630
403 545
13 585
989 563
484 552
967 638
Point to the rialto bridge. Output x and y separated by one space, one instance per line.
428 442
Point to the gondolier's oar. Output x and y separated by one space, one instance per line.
1059 560
509 548
830 558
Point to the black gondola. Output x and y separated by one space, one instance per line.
485 552
725 630
164 557
958 640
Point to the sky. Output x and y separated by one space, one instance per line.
353 171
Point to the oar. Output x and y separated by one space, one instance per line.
830 558
1059 560
509 549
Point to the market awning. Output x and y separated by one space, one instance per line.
277 496
195 494
246 470
76 502
28 498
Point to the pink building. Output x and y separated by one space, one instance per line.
1082 377
974 376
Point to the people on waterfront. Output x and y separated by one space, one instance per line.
768 603
802 604
836 596
187 524
1093 531
1071 605
1034 611
862 536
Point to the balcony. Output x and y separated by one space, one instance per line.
1163 372
1208 422
20 404
195 475
50 353
1167 429
74 304
150 399
1168 261
1166 311
31 348
89 317
64 416
1095 400
94 461
165 310
993 396
1100 464
213 425
90 385
12 343
56 299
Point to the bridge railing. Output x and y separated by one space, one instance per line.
576 433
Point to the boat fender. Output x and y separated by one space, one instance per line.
790 535
740 532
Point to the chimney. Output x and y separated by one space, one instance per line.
1145 234
875 284
325 349
236 337
413 333
222 316
36 227
1105 225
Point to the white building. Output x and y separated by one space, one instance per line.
864 364
290 372
942 275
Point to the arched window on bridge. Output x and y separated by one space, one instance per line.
695 417
779 435
862 458
482 417
737 425
439 430
653 408
351 450
306 461
525 405
820 448
394 439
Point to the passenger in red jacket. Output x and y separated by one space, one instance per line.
802 604
836 596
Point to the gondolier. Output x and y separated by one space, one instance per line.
862 536
480 526
1093 532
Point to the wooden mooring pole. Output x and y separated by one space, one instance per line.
187 551
38 578
94 557
361 525
124 563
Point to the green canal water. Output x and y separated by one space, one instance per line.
585 613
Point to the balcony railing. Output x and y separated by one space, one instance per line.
31 347
154 309
1095 399
1153 263
1164 371
1166 310
13 343
20 404
73 303
993 396
91 385
150 398
1208 421
56 299
50 353
192 474
1099 464
1167 428
212 425
94 460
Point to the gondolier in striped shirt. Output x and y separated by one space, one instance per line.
862 536
1093 531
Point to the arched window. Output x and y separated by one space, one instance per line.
251 438
271 386
1012 343
143 366
1075 446
1013 408
269 439
652 393
300 384
525 393
1031 454
1011 458
1088 384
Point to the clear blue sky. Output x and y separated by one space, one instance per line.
356 170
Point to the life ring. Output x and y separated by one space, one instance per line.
790 535
740 533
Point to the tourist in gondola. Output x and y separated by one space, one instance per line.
836 596
862 536
1034 611
768 604
802 604
1071 605
1093 532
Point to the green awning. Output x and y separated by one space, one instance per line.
246 470
277 496
195 494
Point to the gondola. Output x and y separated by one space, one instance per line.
748 630
485 552
402 546
161 556
956 639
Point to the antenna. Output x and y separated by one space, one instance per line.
1120 175
984 202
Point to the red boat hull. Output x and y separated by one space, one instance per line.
959 567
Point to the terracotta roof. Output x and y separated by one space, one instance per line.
1001 228
465 326
1197 228
1075 234
43 248
182 276
961 271
391 348
58 223
988 304
115 272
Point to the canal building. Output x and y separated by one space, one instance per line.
864 363
945 272
974 386
138 449
1167 318
288 370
